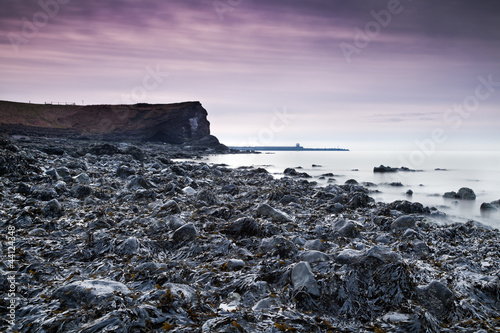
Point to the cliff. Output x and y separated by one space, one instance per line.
172 123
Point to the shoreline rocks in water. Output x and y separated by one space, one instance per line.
463 193
151 245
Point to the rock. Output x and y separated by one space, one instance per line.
53 151
206 198
383 168
186 233
287 198
403 222
139 182
129 246
294 173
436 297
277 246
123 171
314 244
82 178
64 173
303 279
81 191
492 206
409 192
466 193
360 200
52 173
346 228
104 149
45 194
234 265
23 188
90 292
244 227
171 207
136 153
313 256
189 190
336 208
351 182
396 184
275 214
60 186
52 208
230 189
409 207
463 193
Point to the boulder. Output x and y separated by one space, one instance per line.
186 233
403 222
244 227
52 208
275 214
436 297
89 292
303 279
82 178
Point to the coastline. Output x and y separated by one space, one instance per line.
180 246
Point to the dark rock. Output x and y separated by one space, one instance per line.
52 208
171 207
230 189
206 198
396 184
466 193
463 193
492 206
303 279
244 227
351 182
123 171
403 222
139 182
129 246
64 173
287 198
104 149
82 178
23 188
53 151
346 228
360 199
52 173
136 153
81 191
90 292
409 207
186 233
45 194
294 173
275 214
335 208
436 297
409 192
383 168
278 246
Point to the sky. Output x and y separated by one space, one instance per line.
363 75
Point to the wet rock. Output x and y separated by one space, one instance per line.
313 256
52 208
171 207
278 246
436 297
335 208
383 168
275 214
463 193
23 188
409 192
206 198
403 222
104 149
287 198
346 228
351 182
294 173
303 279
136 153
64 173
123 171
189 190
314 244
230 189
360 200
91 292
81 191
52 173
186 233
244 227
492 206
139 182
53 151
129 246
45 194
234 265
82 178
409 207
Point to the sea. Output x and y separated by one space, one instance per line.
436 173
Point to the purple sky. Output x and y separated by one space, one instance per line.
359 74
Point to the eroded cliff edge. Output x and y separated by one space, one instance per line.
171 123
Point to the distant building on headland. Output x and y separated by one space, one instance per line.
297 147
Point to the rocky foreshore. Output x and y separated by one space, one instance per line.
119 238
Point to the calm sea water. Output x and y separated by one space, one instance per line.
479 171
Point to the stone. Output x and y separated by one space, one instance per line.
383 168
206 198
278 246
52 208
189 190
234 264
52 173
275 214
186 233
124 171
403 222
346 228
436 297
129 246
81 191
466 193
82 178
314 244
139 182
64 173
171 207
303 279
244 227
91 292
313 256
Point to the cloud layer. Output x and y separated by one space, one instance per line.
350 71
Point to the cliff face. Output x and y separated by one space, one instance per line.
171 123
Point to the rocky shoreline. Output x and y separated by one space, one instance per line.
119 238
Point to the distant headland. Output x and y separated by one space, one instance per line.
297 147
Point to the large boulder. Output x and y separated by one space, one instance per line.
89 292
